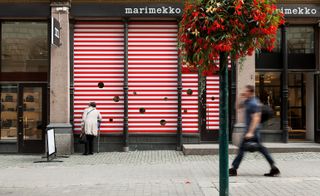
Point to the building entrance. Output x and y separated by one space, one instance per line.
23 116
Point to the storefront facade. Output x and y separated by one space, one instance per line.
286 79
125 58
123 55
25 65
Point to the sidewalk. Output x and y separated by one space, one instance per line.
213 149
160 173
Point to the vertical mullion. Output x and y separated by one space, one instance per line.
125 88
179 128
285 89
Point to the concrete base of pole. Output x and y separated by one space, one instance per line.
125 149
237 134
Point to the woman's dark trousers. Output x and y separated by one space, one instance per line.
89 145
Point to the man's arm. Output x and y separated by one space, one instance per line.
256 117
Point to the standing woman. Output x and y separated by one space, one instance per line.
91 120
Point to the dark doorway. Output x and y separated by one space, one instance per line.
31 118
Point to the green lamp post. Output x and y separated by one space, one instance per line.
212 30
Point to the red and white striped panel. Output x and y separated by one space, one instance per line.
212 109
153 63
99 57
190 103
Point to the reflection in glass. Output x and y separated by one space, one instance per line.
32 114
297 101
300 40
277 44
268 91
9 96
24 47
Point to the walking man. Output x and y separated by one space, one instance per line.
252 109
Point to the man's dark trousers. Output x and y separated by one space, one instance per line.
263 150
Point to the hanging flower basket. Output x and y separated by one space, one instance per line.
236 27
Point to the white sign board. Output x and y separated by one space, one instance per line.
51 142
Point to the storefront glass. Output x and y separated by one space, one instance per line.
268 87
301 50
297 105
24 60
9 125
24 47
268 90
277 44
300 40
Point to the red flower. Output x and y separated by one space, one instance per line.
220 31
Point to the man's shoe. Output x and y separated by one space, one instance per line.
232 172
90 153
85 154
273 172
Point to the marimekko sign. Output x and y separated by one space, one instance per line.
300 10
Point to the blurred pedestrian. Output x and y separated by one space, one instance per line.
252 107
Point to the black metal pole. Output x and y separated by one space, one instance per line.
202 86
125 88
285 90
179 128
223 131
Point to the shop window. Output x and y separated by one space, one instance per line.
277 44
9 96
24 47
296 106
301 50
268 90
271 60
300 40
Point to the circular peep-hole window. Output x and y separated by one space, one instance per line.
134 93
110 119
163 122
100 84
116 98
165 98
189 92
185 111
142 110
213 98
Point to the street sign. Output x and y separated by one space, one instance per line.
55 32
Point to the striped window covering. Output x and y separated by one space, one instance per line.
212 102
153 77
99 57
212 99
190 103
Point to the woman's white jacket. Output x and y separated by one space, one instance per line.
90 119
